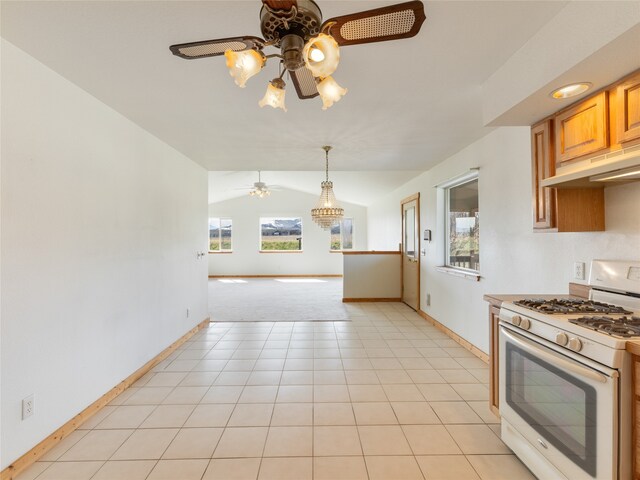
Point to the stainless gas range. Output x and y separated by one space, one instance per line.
565 388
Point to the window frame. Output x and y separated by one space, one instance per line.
470 177
353 230
221 250
281 217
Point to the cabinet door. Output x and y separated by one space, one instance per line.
628 111
582 129
542 166
494 358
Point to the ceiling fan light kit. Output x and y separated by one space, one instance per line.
274 96
309 48
260 189
244 65
330 92
321 55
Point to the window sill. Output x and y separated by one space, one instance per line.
219 253
456 272
279 251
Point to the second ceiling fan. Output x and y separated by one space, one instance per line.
309 47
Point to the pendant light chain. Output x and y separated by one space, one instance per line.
326 156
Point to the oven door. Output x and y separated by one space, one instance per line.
564 405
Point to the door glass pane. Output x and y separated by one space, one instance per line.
559 406
410 232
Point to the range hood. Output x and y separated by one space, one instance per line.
619 166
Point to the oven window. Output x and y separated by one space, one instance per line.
560 407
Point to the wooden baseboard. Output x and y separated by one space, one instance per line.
348 300
455 337
324 275
52 440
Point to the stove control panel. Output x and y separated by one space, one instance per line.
572 343
565 337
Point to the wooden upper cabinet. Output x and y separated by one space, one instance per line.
543 166
560 210
582 129
628 111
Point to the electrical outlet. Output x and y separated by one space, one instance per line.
428 299
578 270
27 407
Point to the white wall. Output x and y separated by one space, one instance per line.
513 258
372 276
100 226
316 259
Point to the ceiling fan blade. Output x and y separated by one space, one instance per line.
280 4
304 82
378 25
213 48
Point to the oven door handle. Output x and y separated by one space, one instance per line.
568 364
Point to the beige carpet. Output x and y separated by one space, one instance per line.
276 299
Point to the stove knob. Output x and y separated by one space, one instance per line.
562 339
525 324
516 319
575 344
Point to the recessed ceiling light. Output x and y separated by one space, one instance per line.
571 90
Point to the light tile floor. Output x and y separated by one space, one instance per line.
383 396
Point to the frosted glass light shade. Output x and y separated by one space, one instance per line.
321 55
243 65
330 92
274 96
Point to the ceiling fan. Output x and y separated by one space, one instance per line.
309 47
260 189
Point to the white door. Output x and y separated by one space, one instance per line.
411 251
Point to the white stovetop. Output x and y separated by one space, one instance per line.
561 322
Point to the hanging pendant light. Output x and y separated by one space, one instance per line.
327 212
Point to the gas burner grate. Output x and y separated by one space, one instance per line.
623 327
568 306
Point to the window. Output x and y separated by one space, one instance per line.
281 234
342 235
219 234
462 224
